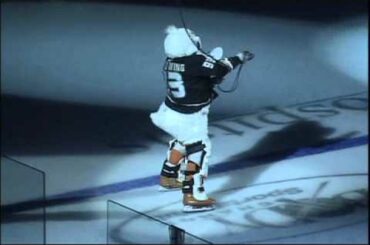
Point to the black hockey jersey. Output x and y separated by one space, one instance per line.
191 80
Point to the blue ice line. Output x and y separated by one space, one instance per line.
215 169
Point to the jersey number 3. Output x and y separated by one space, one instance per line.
176 85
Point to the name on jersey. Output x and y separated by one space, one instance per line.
176 67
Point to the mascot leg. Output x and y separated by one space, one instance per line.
170 177
195 198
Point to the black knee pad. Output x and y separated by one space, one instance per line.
168 171
195 153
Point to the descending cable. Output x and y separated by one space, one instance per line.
164 73
236 80
235 83
187 32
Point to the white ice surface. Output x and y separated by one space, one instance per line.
85 221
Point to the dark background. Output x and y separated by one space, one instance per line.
46 124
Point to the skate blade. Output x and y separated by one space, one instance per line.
192 209
164 189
